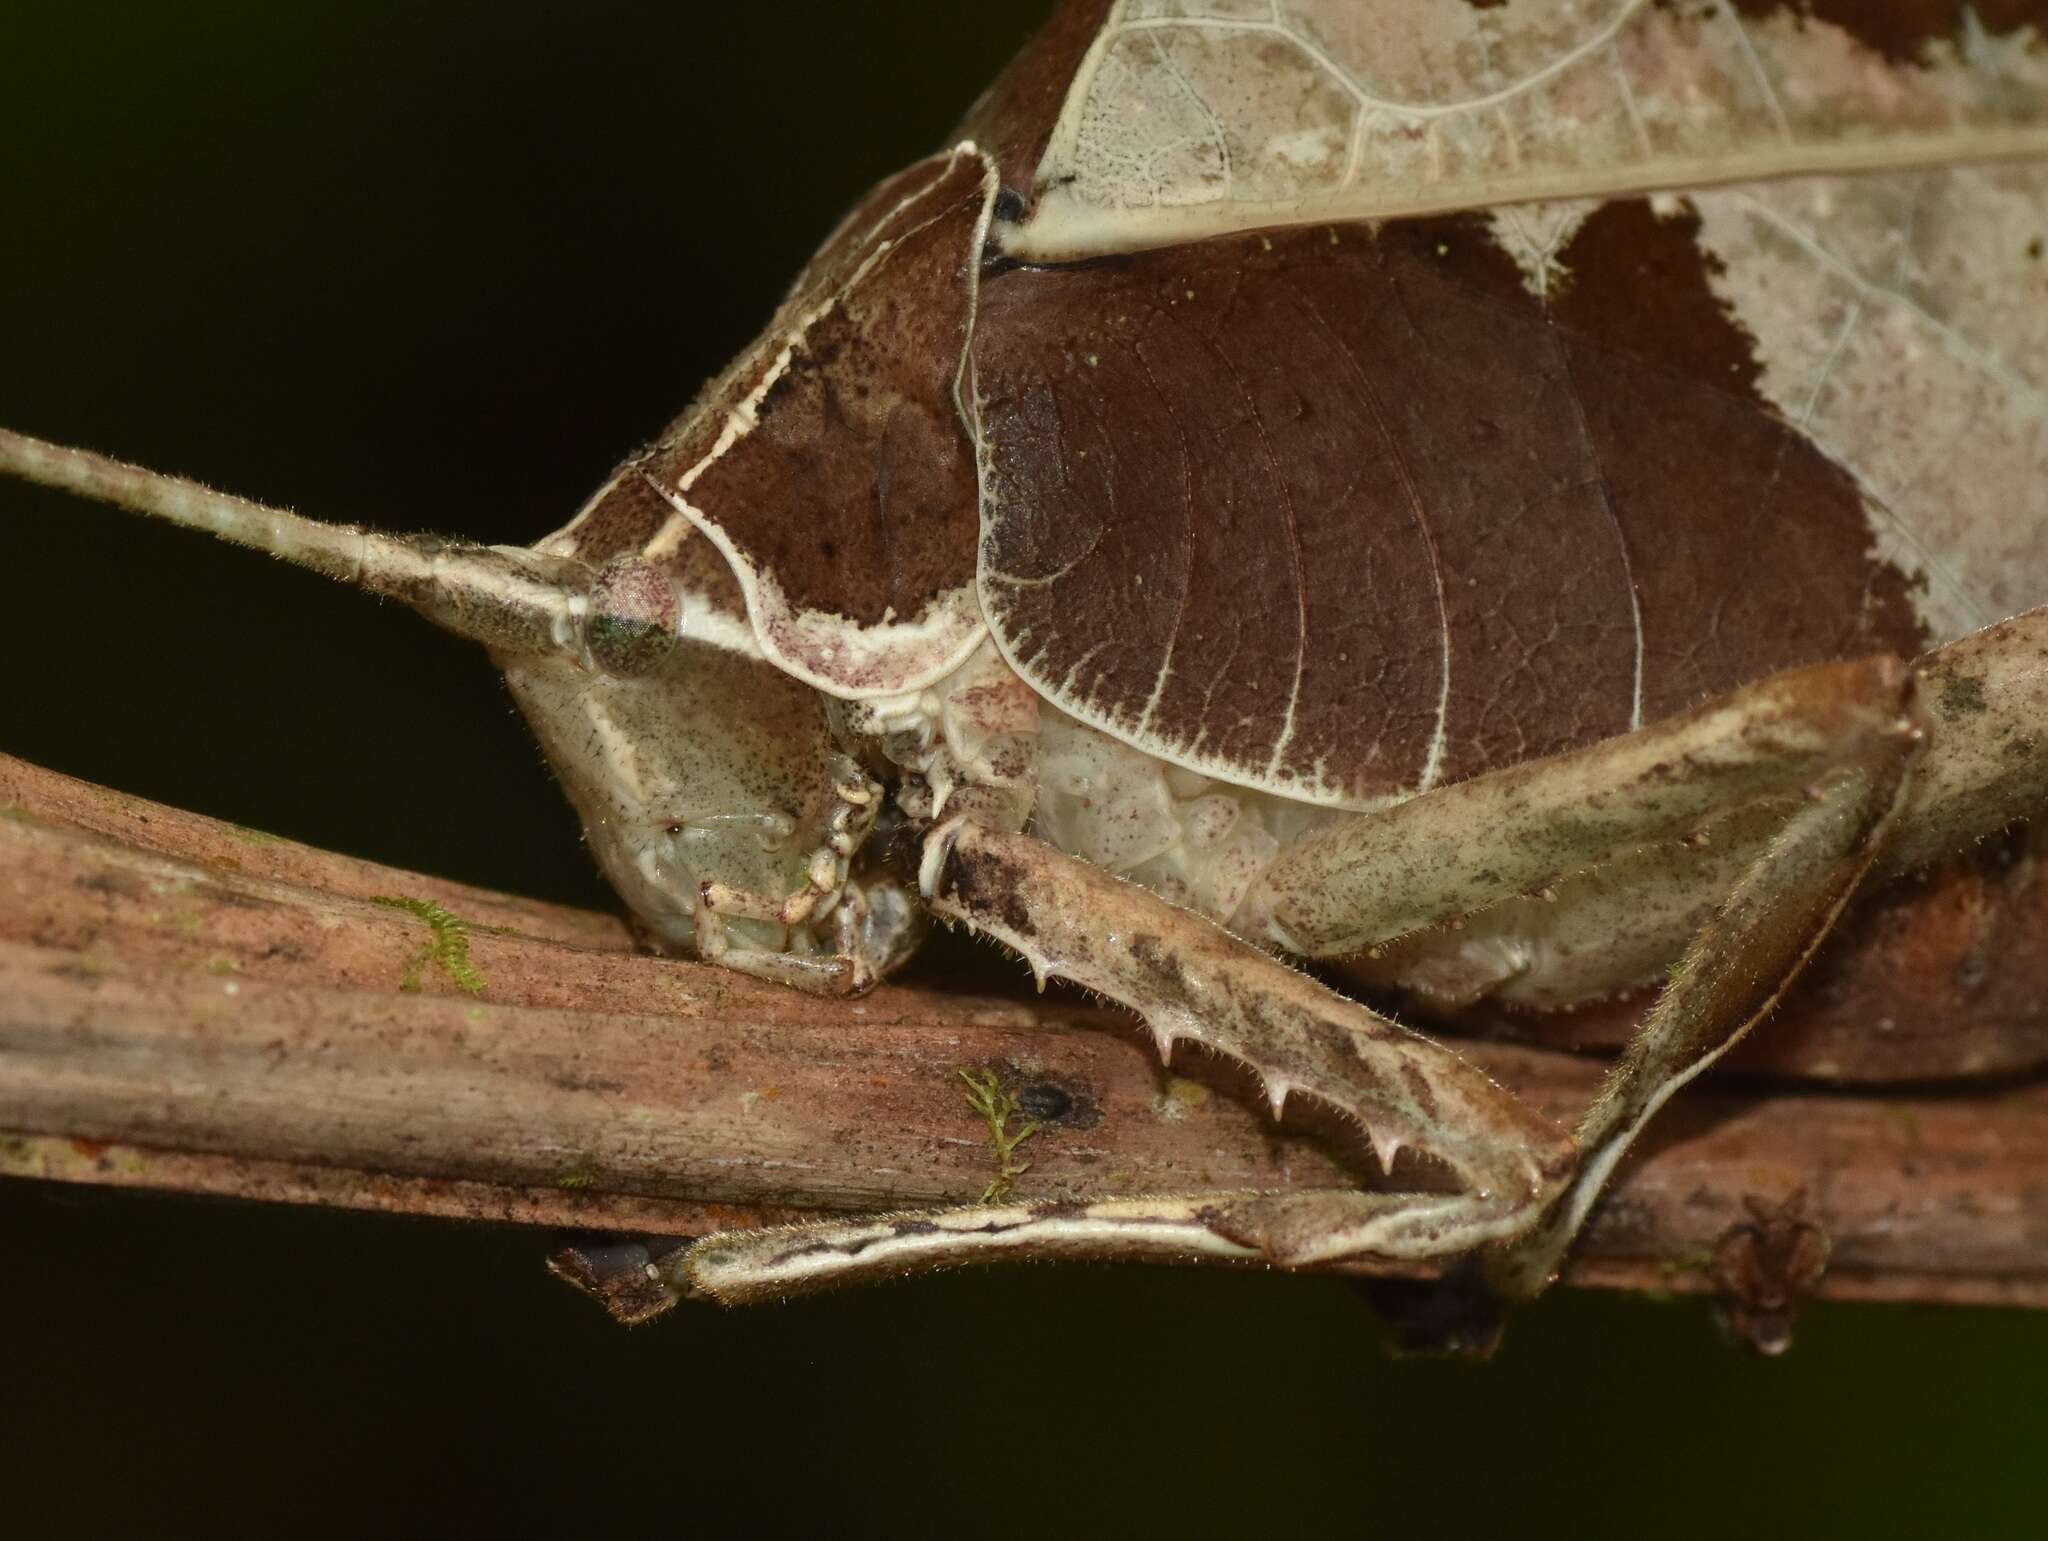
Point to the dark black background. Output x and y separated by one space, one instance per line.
439 266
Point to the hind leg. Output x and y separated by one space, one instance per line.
1729 979
1982 762
1885 770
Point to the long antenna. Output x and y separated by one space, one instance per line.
502 596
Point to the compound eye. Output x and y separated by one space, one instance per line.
635 614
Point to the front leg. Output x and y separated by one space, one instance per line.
862 931
1191 982
870 928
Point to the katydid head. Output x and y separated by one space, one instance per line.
708 781
702 777
710 785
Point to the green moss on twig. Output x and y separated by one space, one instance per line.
447 946
986 1096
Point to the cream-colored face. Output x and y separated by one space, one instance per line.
700 768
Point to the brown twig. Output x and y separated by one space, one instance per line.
190 1006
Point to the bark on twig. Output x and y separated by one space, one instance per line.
191 1006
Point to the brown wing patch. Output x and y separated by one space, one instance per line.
1905 31
1343 514
1755 546
855 488
827 466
